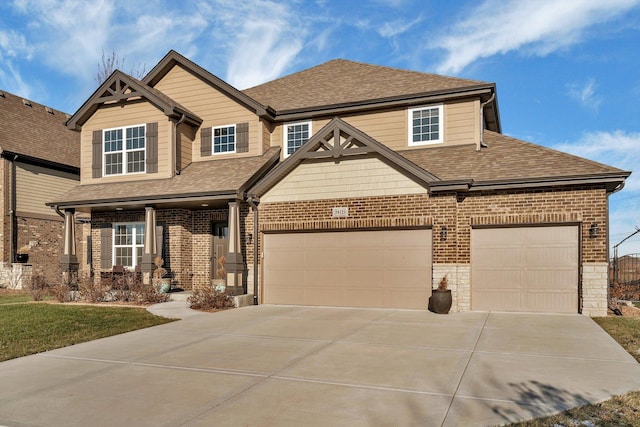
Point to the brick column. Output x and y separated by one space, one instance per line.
149 252
235 262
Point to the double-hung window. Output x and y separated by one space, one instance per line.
425 125
224 139
295 135
124 150
128 244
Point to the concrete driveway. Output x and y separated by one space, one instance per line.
291 366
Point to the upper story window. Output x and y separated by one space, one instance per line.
295 135
425 125
128 244
224 139
124 150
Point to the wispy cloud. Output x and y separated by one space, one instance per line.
585 94
620 149
261 37
397 27
538 27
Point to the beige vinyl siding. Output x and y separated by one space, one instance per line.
185 145
36 185
109 117
212 106
462 122
390 127
266 135
347 179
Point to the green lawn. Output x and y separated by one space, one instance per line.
29 328
12 297
616 412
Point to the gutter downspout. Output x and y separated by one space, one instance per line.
175 143
252 202
58 211
13 226
482 105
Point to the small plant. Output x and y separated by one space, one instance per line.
24 249
60 291
159 271
221 272
38 288
91 290
207 298
444 284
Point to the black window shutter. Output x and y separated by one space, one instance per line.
242 137
152 147
205 142
106 248
96 163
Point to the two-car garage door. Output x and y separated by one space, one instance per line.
381 268
525 269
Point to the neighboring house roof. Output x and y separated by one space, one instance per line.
507 160
340 83
120 86
200 180
37 131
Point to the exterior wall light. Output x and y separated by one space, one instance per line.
593 231
443 233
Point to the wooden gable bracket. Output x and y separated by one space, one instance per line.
330 146
119 90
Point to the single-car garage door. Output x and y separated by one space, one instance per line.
525 269
388 268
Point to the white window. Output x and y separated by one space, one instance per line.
425 125
128 244
295 134
124 150
224 139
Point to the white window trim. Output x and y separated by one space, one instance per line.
440 140
134 256
285 131
213 139
124 151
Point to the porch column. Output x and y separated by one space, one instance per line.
69 261
149 252
235 263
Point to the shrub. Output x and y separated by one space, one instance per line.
61 292
38 288
90 290
625 291
207 298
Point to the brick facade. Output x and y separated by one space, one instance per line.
187 240
459 213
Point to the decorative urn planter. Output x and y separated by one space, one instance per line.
440 301
22 258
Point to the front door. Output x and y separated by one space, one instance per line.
219 249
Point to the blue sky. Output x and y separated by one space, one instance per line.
567 72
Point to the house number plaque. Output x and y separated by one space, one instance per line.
341 212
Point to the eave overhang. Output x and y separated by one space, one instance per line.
484 92
611 182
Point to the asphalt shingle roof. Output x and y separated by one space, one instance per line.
29 129
504 158
342 82
199 178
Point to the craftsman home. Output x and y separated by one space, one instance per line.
39 160
345 184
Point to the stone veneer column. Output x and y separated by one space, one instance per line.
69 262
235 262
595 281
149 252
458 276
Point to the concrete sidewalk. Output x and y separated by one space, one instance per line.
290 366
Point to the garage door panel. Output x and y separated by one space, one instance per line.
525 269
387 268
